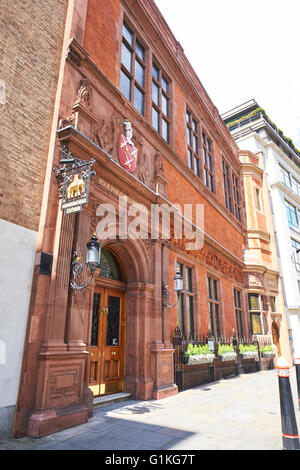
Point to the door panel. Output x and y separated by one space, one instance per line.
107 342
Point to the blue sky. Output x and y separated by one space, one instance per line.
242 50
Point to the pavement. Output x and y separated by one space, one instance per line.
239 413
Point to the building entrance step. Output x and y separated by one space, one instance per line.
110 399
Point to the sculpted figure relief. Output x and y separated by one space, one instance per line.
84 94
68 121
158 166
104 135
144 174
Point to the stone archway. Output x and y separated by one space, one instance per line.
149 356
135 291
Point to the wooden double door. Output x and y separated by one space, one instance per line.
107 350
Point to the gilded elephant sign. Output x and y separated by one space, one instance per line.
74 180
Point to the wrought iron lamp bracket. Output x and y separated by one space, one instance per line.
165 295
76 269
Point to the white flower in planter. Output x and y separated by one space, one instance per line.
268 354
228 356
201 359
249 355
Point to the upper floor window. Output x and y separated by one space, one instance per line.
133 66
231 190
273 304
285 176
258 199
296 186
160 103
186 303
236 196
292 216
214 306
208 161
193 143
227 186
296 246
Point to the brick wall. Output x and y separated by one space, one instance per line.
31 34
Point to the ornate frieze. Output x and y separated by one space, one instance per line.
210 258
254 279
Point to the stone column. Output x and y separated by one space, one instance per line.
76 307
59 398
140 334
163 355
54 335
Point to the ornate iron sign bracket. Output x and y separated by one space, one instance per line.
73 178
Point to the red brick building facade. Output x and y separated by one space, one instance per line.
121 61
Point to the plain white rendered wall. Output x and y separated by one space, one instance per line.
17 254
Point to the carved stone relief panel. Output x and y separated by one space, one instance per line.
64 384
254 280
106 134
271 282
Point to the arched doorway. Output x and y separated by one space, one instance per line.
276 336
108 335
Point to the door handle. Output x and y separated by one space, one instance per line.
91 354
113 353
104 310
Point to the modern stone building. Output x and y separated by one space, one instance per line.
267 310
30 53
252 129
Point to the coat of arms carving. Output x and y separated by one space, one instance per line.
127 150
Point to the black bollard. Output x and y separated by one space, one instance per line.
297 364
290 436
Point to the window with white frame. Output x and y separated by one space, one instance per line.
295 186
285 176
296 246
292 215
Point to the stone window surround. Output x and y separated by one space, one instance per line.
185 296
239 312
149 60
212 301
234 205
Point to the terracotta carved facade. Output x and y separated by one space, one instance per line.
74 351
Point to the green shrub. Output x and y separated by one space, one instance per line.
267 348
247 347
223 348
194 350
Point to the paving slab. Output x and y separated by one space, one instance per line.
242 413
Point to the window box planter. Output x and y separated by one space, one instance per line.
268 354
249 355
227 356
200 359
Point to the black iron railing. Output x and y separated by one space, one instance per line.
188 373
